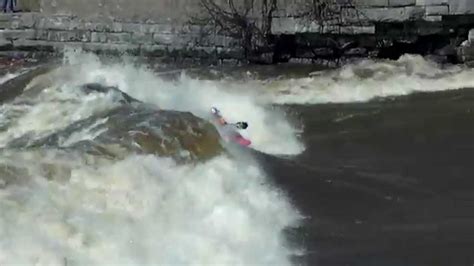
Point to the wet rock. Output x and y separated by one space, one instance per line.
136 129
15 87
96 87
360 51
465 52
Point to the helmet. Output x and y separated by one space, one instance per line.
215 111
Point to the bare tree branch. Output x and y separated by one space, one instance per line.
240 21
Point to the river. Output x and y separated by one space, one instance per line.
365 164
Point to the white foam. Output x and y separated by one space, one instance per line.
53 109
269 130
63 208
143 211
8 77
369 79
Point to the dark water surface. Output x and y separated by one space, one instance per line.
389 182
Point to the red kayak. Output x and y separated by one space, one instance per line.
242 141
228 131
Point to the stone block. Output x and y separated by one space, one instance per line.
142 38
54 23
11 35
35 44
131 27
69 36
374 3
117 27
26 20
15 24
100 37
395 14
164 39
401 2
41 35
356 52
158 28
466 52
6 25
6 16
471 36
461 7
292 25
148 28
75 24
433 18
431 2
437 10
107 47
155 50
123 37
355 30
98 26
190 29
48 46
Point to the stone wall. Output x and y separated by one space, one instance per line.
45 32
123 10
160 28
360 16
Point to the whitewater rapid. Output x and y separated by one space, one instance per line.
64 207
369 79
269 128
60 206
142 210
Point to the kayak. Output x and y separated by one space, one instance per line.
229 134
228 131
241 140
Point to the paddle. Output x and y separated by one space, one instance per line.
241 125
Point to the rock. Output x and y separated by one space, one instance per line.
54 23
15 87
448 50
138 129
471 36
356 52
96 87
465 52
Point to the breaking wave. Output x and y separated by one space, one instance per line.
63 206
370 79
